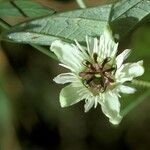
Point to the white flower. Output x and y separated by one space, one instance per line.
96 74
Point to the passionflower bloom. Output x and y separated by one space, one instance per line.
96 74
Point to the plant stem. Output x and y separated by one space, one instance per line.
145 84
81 3
6 26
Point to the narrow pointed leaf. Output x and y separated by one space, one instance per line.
67 26
79 23
23 8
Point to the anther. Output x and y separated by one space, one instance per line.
87 64
95 57
110 69
106 60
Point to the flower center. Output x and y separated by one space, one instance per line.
97 77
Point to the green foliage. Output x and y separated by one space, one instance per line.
123 17
127 14
4 108
124 6
67 26
23 8
128 102
140 45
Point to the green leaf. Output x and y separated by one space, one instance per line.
122 7
23 8
123 17
67 26
128 14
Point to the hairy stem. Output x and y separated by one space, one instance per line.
145 84
81 3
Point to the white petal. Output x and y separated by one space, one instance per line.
65 78
108 34
129 71
126 89
136 69
121 57
88 43
69 96
68 54
67 67
95 48
111 108
107 45
83 50
89 103
114 50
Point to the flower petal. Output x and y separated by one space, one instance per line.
69 96
126 89
68 54
107 45
111 108
121 57
90 45
65 78
136 69
129 71
89 104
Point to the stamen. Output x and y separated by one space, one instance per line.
110 69
87 64
110 79
97 77
106 60
86 75
89 80
95 57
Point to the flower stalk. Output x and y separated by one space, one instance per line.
140 83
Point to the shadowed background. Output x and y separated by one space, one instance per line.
30 114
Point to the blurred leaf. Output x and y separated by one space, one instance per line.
23 8
67 26
4 108
79 23
140 51
141 41
141 45
129 102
